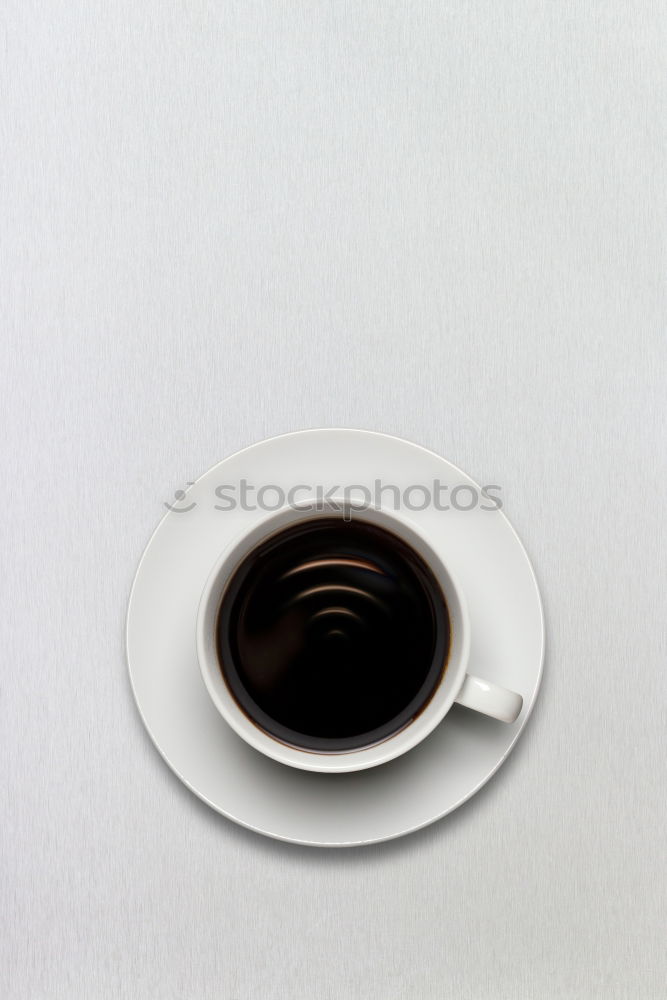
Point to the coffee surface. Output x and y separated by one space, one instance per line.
332 635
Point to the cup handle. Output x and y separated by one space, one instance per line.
490 699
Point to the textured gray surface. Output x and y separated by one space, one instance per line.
224 221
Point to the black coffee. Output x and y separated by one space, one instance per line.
332 635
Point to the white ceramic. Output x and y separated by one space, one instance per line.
307 807
455 684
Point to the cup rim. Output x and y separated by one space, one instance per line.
416 730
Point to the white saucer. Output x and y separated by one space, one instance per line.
304 807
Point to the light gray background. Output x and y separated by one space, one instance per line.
225 221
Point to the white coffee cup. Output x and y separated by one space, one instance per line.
455 684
